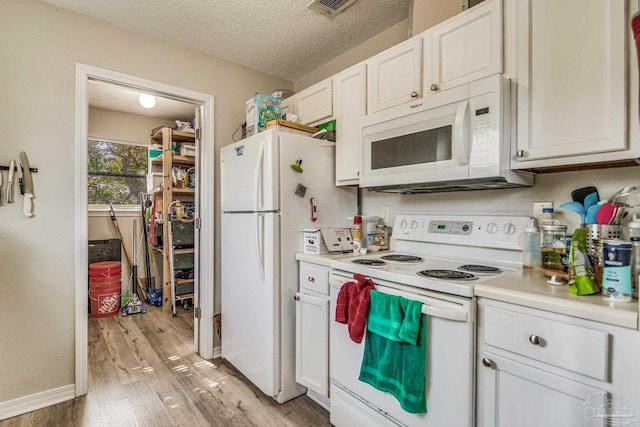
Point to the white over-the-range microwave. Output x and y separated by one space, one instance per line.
459 139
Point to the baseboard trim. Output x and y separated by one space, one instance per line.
217 352
22 405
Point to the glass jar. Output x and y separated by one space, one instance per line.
553 246
382 236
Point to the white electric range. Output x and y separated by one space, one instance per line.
437 260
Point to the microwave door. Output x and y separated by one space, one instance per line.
428 146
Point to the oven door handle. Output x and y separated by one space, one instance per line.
446 313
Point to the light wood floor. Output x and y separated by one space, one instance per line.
143 372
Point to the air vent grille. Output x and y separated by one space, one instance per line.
330 7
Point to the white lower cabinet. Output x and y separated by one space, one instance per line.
539 369
312 329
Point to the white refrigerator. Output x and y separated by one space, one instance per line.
262 222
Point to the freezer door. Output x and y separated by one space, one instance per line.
248 171
250 297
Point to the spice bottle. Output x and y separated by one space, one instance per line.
382 236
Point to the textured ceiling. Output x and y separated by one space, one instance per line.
279 37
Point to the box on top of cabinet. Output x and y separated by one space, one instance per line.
260 110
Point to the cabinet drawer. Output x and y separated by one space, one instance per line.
567 346
314 278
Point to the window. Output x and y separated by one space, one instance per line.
117 173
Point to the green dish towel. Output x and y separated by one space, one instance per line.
395 350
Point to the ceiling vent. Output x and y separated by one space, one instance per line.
330 8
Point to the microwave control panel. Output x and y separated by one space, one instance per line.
484 141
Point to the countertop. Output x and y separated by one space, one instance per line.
321 259
529 288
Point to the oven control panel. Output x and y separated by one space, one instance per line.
471 230
450 227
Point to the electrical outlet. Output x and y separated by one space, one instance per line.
384 214
538 206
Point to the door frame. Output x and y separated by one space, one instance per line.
205 331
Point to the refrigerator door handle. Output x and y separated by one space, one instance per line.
260 243
258 180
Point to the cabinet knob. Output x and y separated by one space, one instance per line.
414 94
487 362
296 297
535 340
311 279
434 87
521 154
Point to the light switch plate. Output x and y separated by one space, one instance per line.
384 214
538 206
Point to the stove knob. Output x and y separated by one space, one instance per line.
414 224
492 228
509 229
403 224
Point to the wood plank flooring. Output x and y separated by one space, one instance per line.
143 372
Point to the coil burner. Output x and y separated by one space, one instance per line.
369 262
447 274
401 258
476 268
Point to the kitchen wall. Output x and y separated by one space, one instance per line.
40 46
117 126
555 187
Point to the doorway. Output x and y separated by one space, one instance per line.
203 300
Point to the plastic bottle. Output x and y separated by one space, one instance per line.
357 234
633 234
546 218
531 246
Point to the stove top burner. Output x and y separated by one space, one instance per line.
447 274
369 262
401 258
475 268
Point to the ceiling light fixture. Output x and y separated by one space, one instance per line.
147 101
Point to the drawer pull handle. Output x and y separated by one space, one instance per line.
487 362
311 279
535 340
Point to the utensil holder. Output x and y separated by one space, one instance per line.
601 232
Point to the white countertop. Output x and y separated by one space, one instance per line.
321 259
529 288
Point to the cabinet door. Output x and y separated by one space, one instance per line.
314 103
464 48
571 77
514 394
287 105
312 343
350 101
395 76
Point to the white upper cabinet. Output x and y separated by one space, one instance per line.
464 48
570 67
287 105
350 105
395 76
314 103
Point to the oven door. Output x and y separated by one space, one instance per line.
449 370
424 146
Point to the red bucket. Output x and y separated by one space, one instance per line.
104 294
105 269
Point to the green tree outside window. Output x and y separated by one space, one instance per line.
117 173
